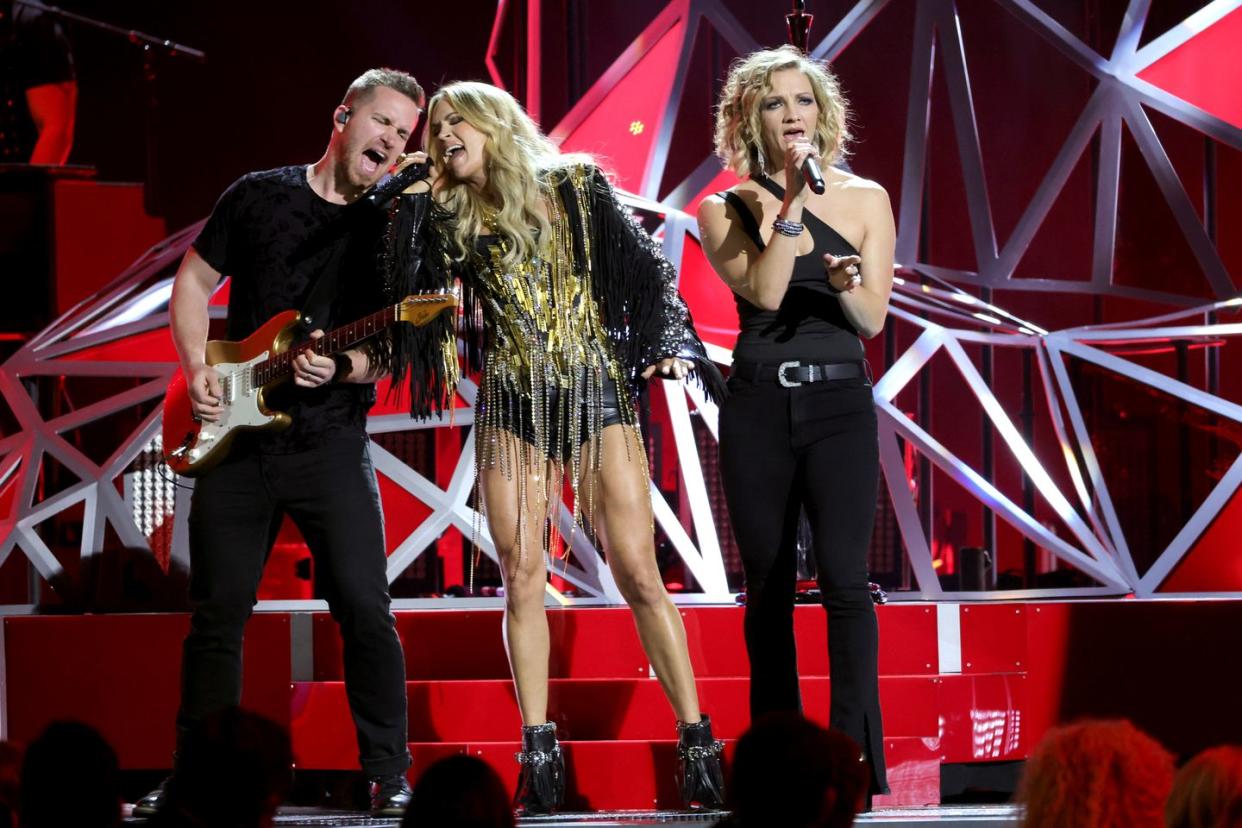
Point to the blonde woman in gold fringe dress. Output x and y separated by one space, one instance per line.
568 309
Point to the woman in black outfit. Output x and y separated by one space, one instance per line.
811 274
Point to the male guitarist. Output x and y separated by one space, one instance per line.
278 235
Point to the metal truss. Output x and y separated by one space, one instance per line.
948 319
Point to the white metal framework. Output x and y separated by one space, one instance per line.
135 305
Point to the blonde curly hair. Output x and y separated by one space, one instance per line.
522 167
739 119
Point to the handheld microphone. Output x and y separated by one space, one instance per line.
394 184
811 174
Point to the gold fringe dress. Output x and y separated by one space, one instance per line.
597 306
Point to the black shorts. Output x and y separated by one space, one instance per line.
560 437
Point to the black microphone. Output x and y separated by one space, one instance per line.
812 176
394 184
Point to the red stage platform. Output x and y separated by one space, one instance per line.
960 683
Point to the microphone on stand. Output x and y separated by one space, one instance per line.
812 176
799 25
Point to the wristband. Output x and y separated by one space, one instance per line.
788 228
343 366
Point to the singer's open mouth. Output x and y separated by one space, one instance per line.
373 160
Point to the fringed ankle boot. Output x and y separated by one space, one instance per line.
698 755
541 780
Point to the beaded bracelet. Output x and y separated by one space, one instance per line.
788 228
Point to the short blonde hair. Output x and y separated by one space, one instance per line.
739 133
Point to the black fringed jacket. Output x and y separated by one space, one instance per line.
634 286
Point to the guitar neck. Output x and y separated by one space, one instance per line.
333 342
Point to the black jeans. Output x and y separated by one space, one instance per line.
236 510
813 447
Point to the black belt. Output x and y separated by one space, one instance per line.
791 374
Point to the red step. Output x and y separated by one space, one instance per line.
584 709
467 644
650 777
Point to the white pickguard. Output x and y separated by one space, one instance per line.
240 403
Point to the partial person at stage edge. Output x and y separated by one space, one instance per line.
38 88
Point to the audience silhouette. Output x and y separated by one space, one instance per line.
1096 774
1207 791
74 751
459 792
791 772
234 751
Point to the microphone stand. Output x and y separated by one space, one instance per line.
798 22
153 48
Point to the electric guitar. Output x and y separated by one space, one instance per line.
249 368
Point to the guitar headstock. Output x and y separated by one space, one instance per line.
421 308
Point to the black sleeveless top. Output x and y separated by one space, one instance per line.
809 325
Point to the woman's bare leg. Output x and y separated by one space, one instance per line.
618 497
517 529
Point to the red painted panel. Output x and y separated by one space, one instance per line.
452 644
584 709
1213 563
100 230
320 728
913 774
910 706
434 643
714 635
285 576
221 297
710 301
1047 642
993 638
403 512
908 640
622 129
908 643
120 674
983 718
152 346
468 645
1206 70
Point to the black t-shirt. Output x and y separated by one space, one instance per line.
274 237
33 52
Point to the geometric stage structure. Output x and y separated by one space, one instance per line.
110 357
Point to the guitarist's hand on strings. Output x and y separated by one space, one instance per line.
205 393
311 370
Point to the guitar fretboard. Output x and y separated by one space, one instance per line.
332 342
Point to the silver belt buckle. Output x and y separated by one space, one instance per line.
780 374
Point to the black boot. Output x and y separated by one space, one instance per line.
541 781
698 755
390 795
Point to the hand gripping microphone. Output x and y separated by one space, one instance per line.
394 184
811 174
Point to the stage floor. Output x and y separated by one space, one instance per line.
975 816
